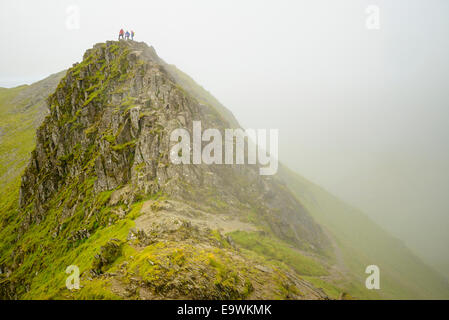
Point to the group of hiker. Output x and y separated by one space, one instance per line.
125 35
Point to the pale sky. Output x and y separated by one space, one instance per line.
364 113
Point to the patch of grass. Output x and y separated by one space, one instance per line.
330 289
278 251
123 146
50 281
97 289
135 210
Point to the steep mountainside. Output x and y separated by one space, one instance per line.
100 192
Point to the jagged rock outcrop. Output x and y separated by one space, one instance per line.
101 169
99 193
111 118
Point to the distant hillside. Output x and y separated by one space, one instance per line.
362 242
22 110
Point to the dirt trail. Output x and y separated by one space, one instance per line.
170 211
339 269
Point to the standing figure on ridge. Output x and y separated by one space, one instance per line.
127 35
132 35
120 34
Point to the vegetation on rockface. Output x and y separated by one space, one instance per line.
38 252
76 104
87 218
39 257
73 210
175 269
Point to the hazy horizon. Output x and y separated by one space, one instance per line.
362 113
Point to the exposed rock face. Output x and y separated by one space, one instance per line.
101 191
111 118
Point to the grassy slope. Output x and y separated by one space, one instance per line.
362 242
21 111
16 136
17 140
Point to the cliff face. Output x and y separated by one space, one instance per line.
111 118
101 190
99 193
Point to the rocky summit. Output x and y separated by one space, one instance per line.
100 193
93 207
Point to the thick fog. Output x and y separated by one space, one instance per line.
362 107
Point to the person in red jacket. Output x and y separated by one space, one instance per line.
121 34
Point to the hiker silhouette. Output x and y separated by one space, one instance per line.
126 35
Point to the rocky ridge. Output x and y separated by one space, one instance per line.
100 184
